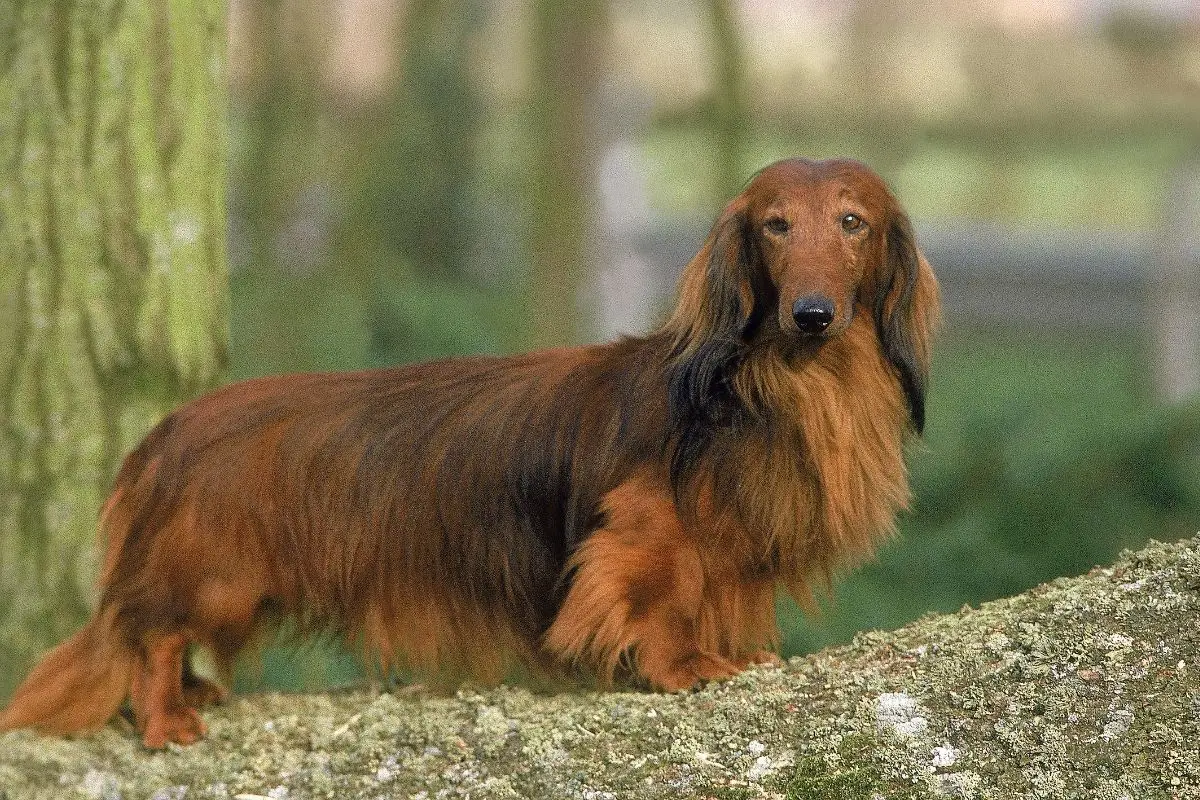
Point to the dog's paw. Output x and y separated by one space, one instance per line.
180 725
691 672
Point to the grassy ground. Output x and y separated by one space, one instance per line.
1085 181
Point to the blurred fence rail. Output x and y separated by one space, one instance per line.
996 276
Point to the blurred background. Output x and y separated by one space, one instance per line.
435 177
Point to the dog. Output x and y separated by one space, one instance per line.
623 511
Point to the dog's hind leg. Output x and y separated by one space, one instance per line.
166 693
159 709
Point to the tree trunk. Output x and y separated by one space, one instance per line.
419 191
729 98
568 48
429 157
112 274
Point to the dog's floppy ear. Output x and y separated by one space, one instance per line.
906 310
719 309
722 301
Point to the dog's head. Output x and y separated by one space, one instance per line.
792 260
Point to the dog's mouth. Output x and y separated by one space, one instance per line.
794 346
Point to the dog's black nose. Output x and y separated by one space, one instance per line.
813 313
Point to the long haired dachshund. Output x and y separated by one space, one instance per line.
619 510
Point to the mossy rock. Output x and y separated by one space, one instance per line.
1084 687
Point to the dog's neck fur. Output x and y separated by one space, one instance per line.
811 472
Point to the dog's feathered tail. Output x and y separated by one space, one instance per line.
77 686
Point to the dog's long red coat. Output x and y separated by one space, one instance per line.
621 507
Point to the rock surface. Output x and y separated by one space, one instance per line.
1084 687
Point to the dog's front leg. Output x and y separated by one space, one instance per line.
636 595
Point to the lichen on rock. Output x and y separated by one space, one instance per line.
1083 687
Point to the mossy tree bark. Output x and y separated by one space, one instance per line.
112 273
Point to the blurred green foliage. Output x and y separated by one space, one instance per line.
321 321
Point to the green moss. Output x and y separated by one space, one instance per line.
814 780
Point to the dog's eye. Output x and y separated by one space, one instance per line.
853 223
777 226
